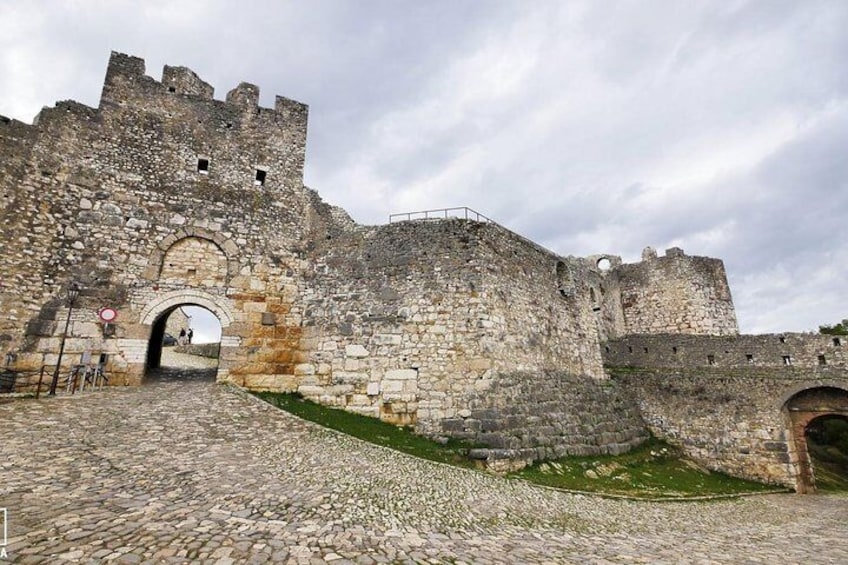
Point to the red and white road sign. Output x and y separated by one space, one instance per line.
108 314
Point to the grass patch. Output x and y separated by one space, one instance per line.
652 470
453 452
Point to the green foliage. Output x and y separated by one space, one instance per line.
827 442
653 470
372 430
836 329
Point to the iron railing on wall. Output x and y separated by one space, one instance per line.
465 213
462 212
26 382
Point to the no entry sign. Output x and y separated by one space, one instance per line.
108 314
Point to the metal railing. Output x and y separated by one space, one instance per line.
462 212
465 213
14 381
79 377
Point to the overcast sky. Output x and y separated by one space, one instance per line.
589 127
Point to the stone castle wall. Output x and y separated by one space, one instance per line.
164 197
675 294
741 351
119 199
411 323
726 400
177 321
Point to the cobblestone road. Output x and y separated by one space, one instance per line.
184 470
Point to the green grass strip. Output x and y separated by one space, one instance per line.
652 470
372 430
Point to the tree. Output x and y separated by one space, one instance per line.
837 329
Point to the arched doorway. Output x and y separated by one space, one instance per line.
156 312
185 340
808 410
827 445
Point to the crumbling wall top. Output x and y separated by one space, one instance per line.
183 80
126 80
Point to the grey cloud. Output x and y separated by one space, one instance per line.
586 126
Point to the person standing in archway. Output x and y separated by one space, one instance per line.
182 339
190 335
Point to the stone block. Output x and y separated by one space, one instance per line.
480 364
401 375
453 425
339 390
386 339
345 377
356 351
392 387
310 391
304 369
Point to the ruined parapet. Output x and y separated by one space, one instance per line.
101 195
786 351
182 101
182 80
676 293
725 400
604 294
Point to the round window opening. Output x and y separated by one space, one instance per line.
604 263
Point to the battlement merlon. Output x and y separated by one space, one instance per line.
182 80
10 127
125 78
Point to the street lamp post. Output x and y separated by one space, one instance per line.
73 293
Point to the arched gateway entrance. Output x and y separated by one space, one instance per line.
157 312
806 410
184 336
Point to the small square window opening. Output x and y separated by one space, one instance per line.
260 177
787 360
710 359
203 166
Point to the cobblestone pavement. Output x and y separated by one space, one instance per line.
184 470
173 359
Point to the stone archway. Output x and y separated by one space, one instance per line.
802 408
156 312
218 305
227 247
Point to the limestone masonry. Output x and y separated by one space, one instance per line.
164 197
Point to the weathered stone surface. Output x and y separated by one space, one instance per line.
728 400
163 196
185 471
